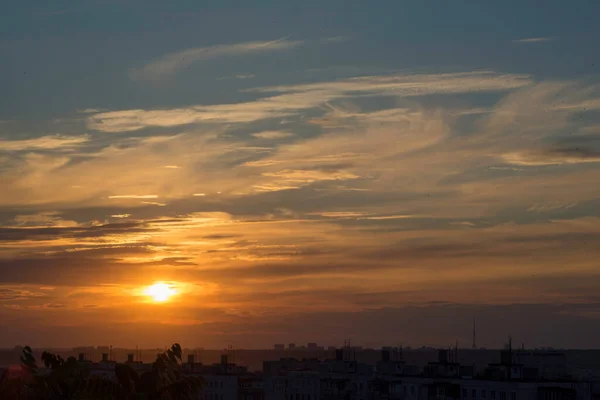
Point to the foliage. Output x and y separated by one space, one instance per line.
70 379
164 381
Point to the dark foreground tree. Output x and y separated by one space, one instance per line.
69 379
164 381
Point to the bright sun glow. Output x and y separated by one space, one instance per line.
160 292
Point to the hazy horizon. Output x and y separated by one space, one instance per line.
215 173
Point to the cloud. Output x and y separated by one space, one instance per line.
293 179
431 325
90 110
534 40
47 218
382 150
336 39
134 196
154 203
171 63
56 142
553 156
339 214
385 217
402 194
294 99
550 206
272 135
241 76
411 84
120 215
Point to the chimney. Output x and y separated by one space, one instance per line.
81 357
339 354
443 356
385 355
130 358
104 357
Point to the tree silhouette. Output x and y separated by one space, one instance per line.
70 379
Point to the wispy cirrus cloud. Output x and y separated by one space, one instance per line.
554 156
292 179
120 215
51 142
47 218
239 76
534 40
133 196
294 99
272 135
169 64
335 39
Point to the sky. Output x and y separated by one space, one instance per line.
382 172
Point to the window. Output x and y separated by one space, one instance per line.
502 395
493 394
483 393
464 392
513 396
474 393
412 390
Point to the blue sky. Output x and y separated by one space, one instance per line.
363 160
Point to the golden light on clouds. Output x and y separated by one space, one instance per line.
160 292
291 199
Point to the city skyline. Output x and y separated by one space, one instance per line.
220 173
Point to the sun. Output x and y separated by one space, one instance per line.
160 292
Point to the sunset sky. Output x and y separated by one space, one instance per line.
380 171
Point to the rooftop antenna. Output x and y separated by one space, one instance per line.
456 351
474 335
